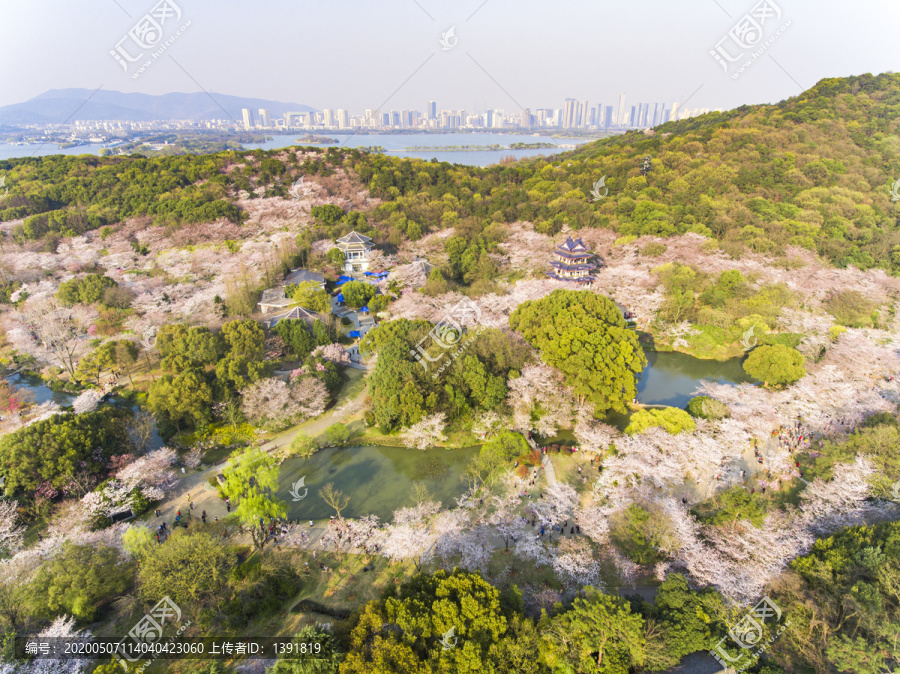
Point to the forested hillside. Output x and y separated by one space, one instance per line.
813 171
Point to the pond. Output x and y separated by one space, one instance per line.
42 393
671 378
378 480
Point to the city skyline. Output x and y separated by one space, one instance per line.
392 55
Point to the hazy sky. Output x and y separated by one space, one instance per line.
358 54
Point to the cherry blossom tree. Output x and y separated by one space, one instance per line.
272 403
540 400
410 536
575 563
557 505
488 423
11 532
152 469
193 458
428 432
87 401
62 627
336 353
592 435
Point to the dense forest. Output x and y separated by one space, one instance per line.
813 171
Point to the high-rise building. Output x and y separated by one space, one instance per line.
620 118
265 120
608 118
248 118
585 114
343 118
527 119
569 110
674 115
489 118
328 117
632 119
432 109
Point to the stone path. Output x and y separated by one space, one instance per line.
551 472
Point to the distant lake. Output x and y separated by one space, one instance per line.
393 144
396 144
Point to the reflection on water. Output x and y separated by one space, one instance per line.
42 393
672 378
378 480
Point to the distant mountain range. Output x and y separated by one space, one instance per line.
56 106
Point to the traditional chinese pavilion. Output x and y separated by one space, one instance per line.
572 262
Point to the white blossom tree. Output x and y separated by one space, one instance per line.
11 532
272 403
540 400
427 432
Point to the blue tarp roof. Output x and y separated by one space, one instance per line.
354 333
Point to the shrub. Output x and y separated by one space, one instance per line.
704 407
654 249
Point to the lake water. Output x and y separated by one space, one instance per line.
397 144
671 378
378 480
43 393
394 144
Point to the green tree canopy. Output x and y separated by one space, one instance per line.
404 632
598 634
183 398
775 365
79 581
55 449
191 568
671 419
585 336
86 290
310 295
251 480
357 293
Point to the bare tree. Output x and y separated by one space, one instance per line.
140 430
59 329
334 498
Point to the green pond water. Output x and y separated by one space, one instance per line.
378 480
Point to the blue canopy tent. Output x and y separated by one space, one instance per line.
365 310
354 333
340 297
